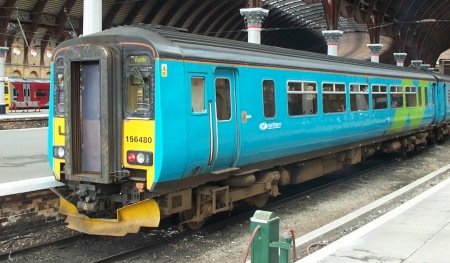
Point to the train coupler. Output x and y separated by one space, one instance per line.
91 206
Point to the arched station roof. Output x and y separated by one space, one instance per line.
416 27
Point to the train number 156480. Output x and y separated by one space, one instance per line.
139 139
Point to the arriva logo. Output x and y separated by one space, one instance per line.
269 126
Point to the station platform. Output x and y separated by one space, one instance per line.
23 155
416 231
20 114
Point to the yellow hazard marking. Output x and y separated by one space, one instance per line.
164 70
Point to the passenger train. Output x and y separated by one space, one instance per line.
26 89
147 122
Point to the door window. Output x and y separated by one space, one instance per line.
223 100
198 94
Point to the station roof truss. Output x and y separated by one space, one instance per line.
417 27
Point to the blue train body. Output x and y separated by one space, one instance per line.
149 122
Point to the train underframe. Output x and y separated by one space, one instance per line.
136 207
256 187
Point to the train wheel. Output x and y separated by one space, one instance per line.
188 215
259 200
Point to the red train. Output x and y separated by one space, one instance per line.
27 89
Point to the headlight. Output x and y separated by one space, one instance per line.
138 157
59 152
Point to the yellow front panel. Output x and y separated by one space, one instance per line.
7 96
58 140
139 135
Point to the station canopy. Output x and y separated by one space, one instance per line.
416 27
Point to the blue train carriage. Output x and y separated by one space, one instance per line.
147 122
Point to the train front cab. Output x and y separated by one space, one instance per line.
89 93
7 95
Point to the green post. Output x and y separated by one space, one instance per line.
268 233
285 246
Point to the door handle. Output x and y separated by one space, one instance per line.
211 135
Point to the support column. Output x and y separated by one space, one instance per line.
92 17
333 38
375 50
3 51
400 59
416 63
254 18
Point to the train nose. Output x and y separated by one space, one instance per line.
129 219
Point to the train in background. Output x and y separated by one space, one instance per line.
27 89
147 122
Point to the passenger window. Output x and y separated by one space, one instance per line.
359 97
426 95
198 94
411 96
223 100
269 98
396 97
41 93
333 98
379 97
302 98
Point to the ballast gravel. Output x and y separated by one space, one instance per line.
230 243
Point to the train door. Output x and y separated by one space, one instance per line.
200 129
438 99
225 119
18 91
26 92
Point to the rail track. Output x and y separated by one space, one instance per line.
60 243
220 222
161 242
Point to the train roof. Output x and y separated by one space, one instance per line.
177 43
28 80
